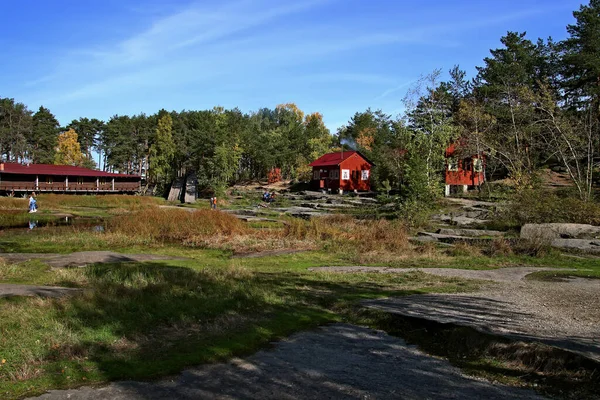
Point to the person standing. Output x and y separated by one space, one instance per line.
214 203
32 203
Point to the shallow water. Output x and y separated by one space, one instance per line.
17 220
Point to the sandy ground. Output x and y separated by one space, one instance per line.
338 361
563 314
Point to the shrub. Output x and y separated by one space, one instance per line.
499 247
462 249
541 206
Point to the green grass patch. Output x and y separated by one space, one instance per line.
142 320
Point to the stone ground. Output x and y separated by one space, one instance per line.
337 361
564 314
8 290
78 259
82 258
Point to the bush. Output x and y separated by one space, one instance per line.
499 247
541 206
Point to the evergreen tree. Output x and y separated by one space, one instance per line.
581 56
162 151
15 128
44 136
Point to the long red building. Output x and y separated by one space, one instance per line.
15 177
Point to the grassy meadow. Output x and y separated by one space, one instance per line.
151 319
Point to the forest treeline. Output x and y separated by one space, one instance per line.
531 103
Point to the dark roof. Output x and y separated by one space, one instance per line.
64 170
330 159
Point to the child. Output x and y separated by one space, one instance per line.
32 203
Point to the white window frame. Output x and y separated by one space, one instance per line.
452 164
477 164
345 174
316 175
364 175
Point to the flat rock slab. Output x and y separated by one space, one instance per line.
591 246
561 315
9 290
497 275
470 203
559 231
445 238
470 232
337 361
83 258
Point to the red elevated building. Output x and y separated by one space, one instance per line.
15 177
463 171
345 170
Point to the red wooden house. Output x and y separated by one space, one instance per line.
15 177
346 170
463 171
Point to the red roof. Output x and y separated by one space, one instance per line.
330 159
64 170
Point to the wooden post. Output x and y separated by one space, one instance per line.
66 182
37 182
97 183
113 184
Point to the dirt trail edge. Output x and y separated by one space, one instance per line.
338 361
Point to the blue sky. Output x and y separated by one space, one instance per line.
98 58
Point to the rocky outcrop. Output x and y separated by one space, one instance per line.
553 231
580 237
469 232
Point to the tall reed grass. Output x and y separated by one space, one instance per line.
346 233
170 225
58 201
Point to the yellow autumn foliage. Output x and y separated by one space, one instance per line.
68 151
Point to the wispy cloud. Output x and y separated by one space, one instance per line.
395 89
201 44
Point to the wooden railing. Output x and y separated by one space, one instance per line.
73 187
59 186
127 186
17 185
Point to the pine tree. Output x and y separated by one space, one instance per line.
581 57
44 137
162 151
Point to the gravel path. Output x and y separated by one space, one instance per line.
338 361
8 290
82 258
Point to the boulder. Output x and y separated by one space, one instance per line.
549 232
